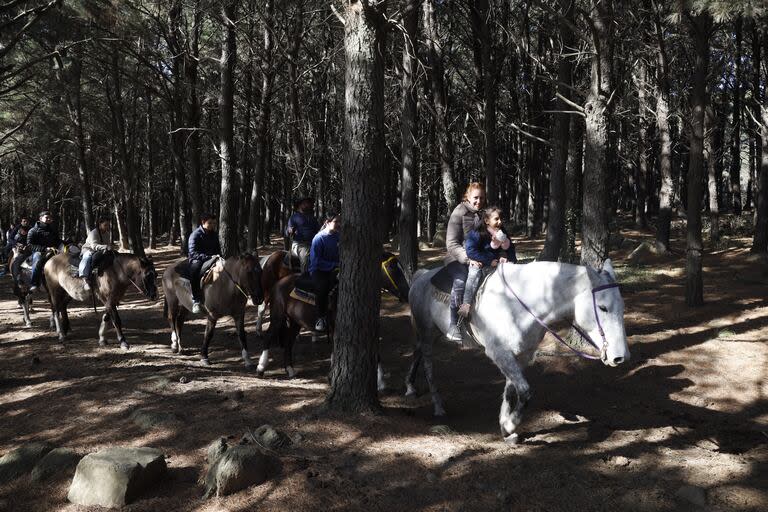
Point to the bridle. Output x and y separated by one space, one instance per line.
603 349
145 291
237 284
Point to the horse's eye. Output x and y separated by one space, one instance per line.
603 309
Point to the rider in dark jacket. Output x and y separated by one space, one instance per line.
42 240
203 245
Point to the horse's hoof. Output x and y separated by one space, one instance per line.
512 439
249 367
259 372
124 345
205 362
28 326
291 372
102 343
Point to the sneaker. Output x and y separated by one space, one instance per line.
320 325
454 334
196 307
464 310
86 284
33 288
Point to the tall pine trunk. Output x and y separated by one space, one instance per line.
735 174
694 284
353 372
594 241
228 197
642 164
664 221
409 245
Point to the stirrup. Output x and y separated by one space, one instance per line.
195 307
454 334
464 310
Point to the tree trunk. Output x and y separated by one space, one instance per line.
642 165
228 196
573 172
262 130
594 242
194 114
296 140
760 240
409 244
353 372
560 142
710 149
735 174
68 74
440 104
665 142
694 286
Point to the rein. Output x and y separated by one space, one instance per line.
237 285
386 271
122 269
603 350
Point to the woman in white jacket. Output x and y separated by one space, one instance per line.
98 241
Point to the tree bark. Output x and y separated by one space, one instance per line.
664 220
573 174
228 196
560 142
296 140
735 174
642 164
409 245
353 372
694 285
440 104
711 156
760 240
192 56
594 242
262 130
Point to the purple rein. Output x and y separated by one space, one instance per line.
584 335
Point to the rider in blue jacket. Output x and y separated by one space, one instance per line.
203 245
323 261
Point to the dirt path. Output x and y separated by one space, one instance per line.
689 409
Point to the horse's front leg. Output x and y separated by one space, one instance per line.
26 306
118 323
437 400
290 334
209 328
261 310
517 393
103 328
240 326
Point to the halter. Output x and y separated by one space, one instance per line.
145 292
386 271
603 350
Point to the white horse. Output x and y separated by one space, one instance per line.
510 318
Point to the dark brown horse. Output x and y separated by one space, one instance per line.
120 272
273 269
233 282
21 288
287 315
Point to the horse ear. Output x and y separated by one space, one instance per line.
608 269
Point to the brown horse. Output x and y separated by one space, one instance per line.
233 282
289 315
21 288
119 272
273 269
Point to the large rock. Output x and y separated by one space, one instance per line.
268 437
21 460
115 476
57 463
645 254
237 468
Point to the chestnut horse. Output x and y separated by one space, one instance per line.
288 315
273 269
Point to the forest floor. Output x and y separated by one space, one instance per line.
689 409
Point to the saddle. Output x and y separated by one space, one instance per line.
304 290
101 261
206 272
291 260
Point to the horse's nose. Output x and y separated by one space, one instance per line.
618 360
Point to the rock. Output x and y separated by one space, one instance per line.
155 384
116 476
424 246
442 430
149 420
183 379
692 494
215 449
296 438
645 254
439 239
431 477
57 463
622 461
237 468
22 460
268 437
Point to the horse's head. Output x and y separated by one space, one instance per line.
600 313
393 277
148 277
250 275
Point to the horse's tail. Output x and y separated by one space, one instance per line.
165 306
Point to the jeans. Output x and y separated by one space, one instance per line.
301 249
323 283
16 264
37 267
458 273
86 264
195 268
474 278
